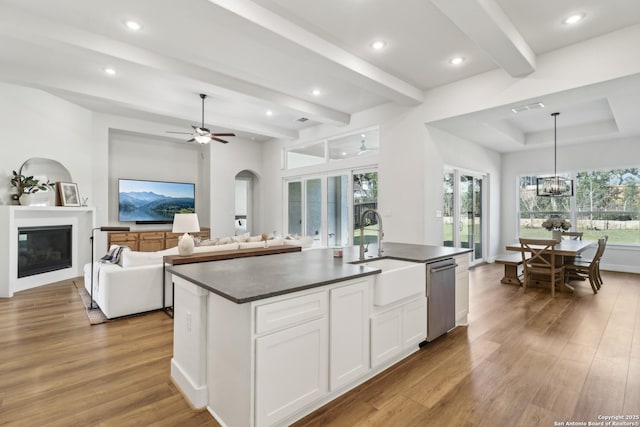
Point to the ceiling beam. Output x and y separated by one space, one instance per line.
43 29
378 80
485 23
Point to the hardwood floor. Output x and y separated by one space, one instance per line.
524 360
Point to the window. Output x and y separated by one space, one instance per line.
365 196
606 202
534 209
306 155
463 214
321 206
354 146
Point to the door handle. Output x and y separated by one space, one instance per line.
446 267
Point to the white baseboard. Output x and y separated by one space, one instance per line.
620 268
197 396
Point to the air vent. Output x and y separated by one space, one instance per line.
520 108
302 119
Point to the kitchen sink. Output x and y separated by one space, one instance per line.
398 279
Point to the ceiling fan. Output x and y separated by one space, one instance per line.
201 134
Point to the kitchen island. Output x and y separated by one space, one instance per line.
264 341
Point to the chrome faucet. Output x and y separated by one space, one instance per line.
380 232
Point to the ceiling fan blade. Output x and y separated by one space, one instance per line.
223 134
220 140
191 140
181 133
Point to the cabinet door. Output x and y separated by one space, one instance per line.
151 245
349 334
149 241
291 370
414 322
123 239
386 336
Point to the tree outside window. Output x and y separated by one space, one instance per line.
606 202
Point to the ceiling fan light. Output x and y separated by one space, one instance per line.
363 148
203 139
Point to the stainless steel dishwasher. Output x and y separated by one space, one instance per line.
441 297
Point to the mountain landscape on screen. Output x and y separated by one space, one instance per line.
158 204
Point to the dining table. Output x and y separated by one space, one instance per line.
565 251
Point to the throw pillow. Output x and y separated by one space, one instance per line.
209 242
241 238
115 254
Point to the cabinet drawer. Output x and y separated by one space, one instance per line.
123 237
281 314
159 235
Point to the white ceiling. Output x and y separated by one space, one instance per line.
254 56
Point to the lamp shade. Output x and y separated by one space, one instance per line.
185 223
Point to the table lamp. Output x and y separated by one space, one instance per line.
185 223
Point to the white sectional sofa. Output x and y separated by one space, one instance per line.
134 285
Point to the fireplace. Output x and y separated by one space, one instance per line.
44 249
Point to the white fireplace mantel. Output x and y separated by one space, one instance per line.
81 219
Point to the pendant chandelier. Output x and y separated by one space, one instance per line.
554 186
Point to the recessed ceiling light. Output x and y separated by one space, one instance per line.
344 153
574 19
315 92
133 25
379 44
269 113
110 71
456 60
362 135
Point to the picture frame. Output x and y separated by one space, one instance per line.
68 193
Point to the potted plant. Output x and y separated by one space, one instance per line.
27 185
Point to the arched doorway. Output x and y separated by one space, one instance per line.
246 220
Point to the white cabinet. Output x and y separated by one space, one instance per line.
386 336
462 289
349 334
398 329
414 322
291 370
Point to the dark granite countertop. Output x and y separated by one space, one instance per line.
250 279
406 252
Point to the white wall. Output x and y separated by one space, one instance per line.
36 124
96 148
212 167
156 159
226 161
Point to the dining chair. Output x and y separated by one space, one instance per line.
572 235
541 262
588 269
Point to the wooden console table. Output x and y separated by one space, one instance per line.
150 240
217 256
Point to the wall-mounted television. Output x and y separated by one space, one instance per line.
154 202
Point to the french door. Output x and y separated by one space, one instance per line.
324 206
463 214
